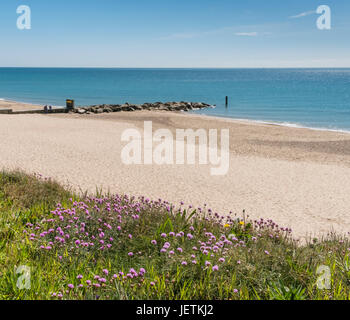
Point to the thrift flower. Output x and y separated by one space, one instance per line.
215 268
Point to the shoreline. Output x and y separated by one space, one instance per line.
279 124
8 102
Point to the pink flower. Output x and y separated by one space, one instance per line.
71 286
166 245
142 271
184 263
79 277
130 254
105 271
216 268
154 242
163 235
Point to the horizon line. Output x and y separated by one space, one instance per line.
21 67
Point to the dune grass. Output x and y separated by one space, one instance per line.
119 247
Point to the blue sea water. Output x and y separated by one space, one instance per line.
318 98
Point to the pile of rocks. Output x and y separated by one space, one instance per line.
168 106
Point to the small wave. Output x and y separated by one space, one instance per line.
276 123
294 125
300 126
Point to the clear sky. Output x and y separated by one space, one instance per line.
175 33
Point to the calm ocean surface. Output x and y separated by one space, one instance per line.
318 98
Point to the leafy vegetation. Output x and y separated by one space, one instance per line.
120 247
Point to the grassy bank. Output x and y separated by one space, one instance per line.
117 247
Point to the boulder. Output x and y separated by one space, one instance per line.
81 111
116 108
126 108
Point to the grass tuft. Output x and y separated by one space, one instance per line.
120 247
26 191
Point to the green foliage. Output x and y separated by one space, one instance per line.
257 261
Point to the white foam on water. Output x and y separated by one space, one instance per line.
282 124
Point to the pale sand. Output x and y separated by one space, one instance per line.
299 178
18 106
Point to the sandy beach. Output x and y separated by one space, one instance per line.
300 178
18 106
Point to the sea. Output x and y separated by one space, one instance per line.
312 98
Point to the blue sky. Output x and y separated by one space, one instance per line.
169 33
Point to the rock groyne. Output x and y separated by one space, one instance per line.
157 106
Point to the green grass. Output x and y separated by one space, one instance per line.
255 260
